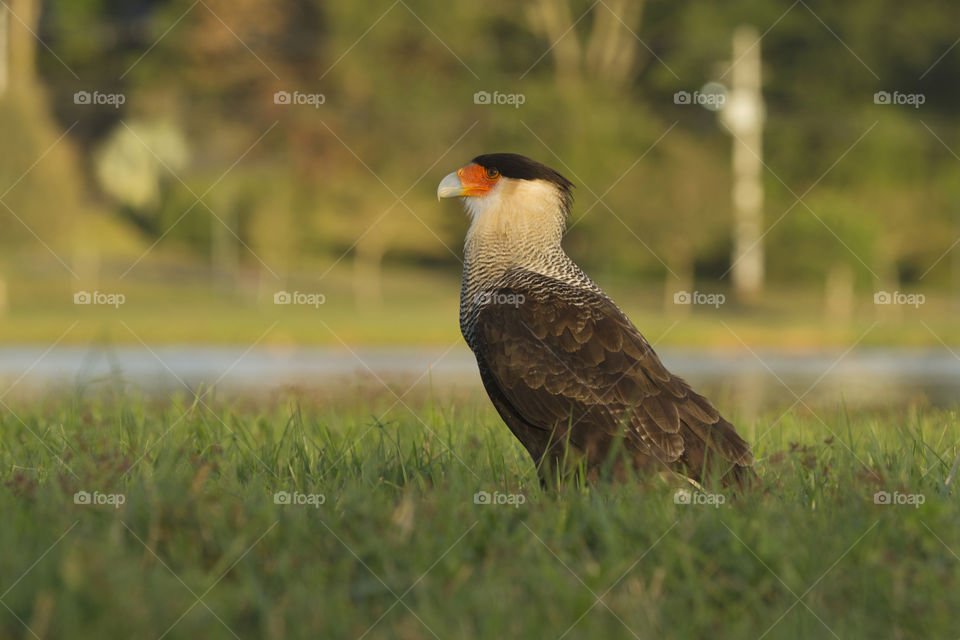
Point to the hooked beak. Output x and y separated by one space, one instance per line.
450 186
471 180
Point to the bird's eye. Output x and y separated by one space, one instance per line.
492 174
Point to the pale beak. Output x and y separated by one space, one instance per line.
450 187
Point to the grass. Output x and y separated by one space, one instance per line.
162 307
399 549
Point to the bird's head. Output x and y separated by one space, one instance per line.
509 186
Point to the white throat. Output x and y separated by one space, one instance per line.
520 222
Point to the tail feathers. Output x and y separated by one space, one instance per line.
711 427
717 453
740 476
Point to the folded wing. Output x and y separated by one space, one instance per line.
566 357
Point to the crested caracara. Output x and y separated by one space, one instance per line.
565 368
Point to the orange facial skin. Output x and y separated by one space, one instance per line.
477 180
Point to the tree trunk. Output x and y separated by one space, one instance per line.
612 48
4 49
367 275
955 267
23 44
678 290
888 285
552 19
838 293
225 250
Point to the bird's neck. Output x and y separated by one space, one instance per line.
502 238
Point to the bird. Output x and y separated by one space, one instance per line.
570 375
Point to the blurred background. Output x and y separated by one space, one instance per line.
198 189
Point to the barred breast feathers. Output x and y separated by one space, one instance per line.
502 237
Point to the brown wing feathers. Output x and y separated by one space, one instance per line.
567 356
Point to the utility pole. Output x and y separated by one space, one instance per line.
743 116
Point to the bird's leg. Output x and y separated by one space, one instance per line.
561 462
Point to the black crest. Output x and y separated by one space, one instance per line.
514 165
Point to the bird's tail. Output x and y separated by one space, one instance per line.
740 477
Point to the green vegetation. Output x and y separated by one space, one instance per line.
201 167
420 307
199 548
184 179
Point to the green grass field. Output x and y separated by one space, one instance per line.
188 540
420 307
